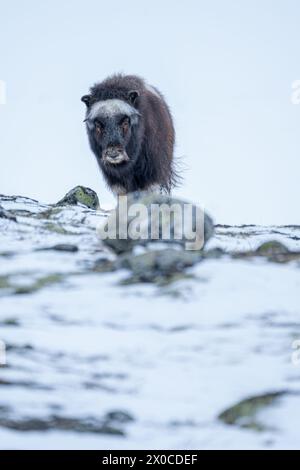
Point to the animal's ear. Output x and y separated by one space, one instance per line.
133 96
86 99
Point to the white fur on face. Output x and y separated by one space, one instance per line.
110 108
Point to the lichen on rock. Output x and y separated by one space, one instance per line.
80 195
245 413
271 250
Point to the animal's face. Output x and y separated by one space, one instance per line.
110 125
112 135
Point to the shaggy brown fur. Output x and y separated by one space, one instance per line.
135 150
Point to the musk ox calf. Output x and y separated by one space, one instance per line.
131 133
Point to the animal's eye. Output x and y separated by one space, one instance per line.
99 126
125 125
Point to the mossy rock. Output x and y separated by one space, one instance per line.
158 266
56 228
272 248
7 284
277 252
244 413
49 213
39 284
4 282
80 195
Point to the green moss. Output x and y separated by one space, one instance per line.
272 248
80 195
244 413
38 284
56 228
4 282
47 214
7 283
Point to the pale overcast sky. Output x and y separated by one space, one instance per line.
226 68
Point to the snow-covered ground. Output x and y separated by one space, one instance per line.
92 363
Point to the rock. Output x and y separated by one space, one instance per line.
272 248
10 322
119 416
107 425
80 195
67 248
29 287
158 265
103 265
277 252
6 215
131 224
244 413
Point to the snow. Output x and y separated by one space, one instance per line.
171 362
